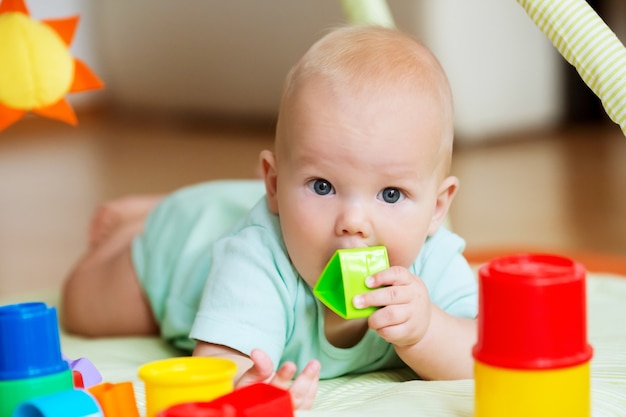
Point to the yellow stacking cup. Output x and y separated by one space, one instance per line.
545 393
185 379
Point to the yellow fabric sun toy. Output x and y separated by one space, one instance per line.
36 67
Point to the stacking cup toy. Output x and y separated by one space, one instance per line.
198 410
255 400
532 356
31 363
116 399
344 277
185 379
68 403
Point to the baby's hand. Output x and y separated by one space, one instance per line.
405 316
302 389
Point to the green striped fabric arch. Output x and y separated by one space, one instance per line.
587 43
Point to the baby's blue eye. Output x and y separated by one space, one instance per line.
391 195
321 187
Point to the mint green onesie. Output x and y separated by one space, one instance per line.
216 270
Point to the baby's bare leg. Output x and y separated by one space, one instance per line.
102 295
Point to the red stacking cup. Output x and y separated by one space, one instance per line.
535 317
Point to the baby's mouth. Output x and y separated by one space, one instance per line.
356 244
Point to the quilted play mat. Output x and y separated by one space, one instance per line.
396 392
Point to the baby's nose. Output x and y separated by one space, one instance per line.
353 220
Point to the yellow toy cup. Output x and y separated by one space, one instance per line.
185 379
536 393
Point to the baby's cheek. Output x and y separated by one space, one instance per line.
403 256
309 273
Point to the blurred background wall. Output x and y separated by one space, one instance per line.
229 58
183 78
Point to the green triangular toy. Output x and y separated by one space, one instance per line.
344 277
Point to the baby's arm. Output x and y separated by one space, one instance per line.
219 351
444 352
258 367
435 344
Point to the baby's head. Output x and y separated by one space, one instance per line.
363 148
367 63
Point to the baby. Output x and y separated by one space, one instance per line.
361 158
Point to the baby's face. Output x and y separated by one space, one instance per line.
356 171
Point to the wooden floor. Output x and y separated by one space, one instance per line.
555 191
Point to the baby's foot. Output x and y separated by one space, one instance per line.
113 213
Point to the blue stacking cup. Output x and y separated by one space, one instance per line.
68 403
29 341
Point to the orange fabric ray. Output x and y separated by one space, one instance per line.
64 27
84 78
61 110
8 116
13 6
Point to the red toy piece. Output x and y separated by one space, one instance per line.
198 410
78 379
257 400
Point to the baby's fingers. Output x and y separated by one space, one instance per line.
283 376
382 297
396 275
394 286
262 369
304 387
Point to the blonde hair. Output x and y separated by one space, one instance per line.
373 59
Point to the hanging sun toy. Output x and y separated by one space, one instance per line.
36 67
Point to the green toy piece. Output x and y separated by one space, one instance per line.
344 277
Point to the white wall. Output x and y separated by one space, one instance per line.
218 56
505 73
230 57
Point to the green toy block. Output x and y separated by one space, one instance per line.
344 277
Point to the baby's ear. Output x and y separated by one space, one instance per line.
446 193
268 164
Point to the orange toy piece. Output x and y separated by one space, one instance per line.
116 400
36 68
